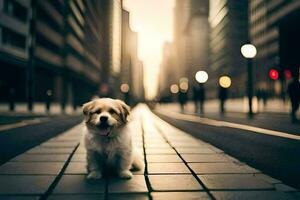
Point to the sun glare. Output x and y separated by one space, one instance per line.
153 20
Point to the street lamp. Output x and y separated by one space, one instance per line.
201 76
225 81
184 84
249 52
125 90
174 89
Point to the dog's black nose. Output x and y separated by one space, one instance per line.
103 119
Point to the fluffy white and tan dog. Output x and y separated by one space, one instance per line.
107 138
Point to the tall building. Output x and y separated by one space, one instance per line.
228 32
61 48
181 18
197 37
189 50
131 67
115 33
167 75
274 30
126 61
14 48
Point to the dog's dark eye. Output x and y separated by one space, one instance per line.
98 111
112 111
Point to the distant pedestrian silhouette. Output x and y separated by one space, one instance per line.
182 99
199 98
223 93
48 99
11 96
294 94
262 95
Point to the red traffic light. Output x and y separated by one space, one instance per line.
273 74
287 74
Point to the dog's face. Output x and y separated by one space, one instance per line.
102 115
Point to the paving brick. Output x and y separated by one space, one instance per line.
217 150
160 151
234 181
26 184
267 178
167 168
46 150
207 158
79 157
221 168
60 144
163 158
77 184
76 168
128 196
157 145
76 197
41 157
156 140
80 150
183 150
80 168
284 188
179 195
65 139
41 168
188 144
174 183
136 184
153 138
257 195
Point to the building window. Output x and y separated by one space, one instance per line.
15 9
13 39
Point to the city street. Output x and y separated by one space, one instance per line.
206 91
177 166
275 155
20 133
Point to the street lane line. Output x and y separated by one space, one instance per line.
21 124
218 123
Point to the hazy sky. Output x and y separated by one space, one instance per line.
153 20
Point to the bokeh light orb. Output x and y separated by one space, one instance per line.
184 86
124 88
288 74
225 81
174 89
201 76
183 79
248 51
273 74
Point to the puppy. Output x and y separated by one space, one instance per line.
107 138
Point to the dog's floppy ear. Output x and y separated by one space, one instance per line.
125 110
86 109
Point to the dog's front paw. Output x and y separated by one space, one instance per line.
126 174
94 175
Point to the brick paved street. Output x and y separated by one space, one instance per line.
177 166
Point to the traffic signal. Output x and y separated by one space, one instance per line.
273 74
287 74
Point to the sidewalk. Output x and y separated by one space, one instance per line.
239 105
177 166
38 109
